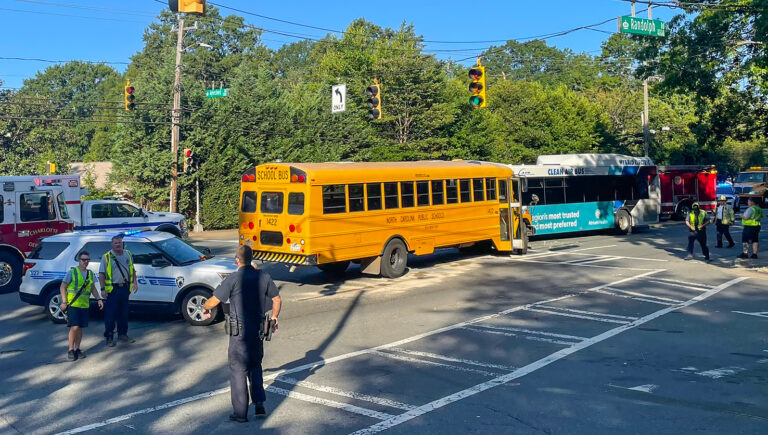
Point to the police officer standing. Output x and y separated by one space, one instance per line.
245 289
116 274
724 218
697 221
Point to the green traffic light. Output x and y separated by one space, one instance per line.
475 101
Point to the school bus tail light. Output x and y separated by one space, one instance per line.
298 176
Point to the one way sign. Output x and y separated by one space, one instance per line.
338 98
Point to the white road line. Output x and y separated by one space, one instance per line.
322 362
543 362
685 286
567 251
577 316
589 313
491 330
530 331
756 314
451 359
590 257
350 394
633 298
523 260
630 258
600 260
647 388
333 404
643 295
677 281
432 363
721 372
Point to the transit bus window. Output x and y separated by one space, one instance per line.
334 199
356 197
438 197
451 191
574 189
390 195
272 202
503 191
296 203
554 192
422 193
374 196
477 187
466 194
535 187
406 194
606 188
490 189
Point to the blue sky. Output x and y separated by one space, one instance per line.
110 30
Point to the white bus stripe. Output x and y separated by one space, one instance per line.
543 362
432 363
643 295
451 359
350 394
577 316
490 330
588 313
333 404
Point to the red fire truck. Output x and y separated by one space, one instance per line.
682 185
30 209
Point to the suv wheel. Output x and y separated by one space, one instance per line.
53 307
192 307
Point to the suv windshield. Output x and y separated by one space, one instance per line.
180 251
62 206
751 177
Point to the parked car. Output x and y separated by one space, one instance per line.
731 198
172 274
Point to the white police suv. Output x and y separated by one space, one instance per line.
172 274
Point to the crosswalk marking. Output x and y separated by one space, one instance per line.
589 313
530 331
451 359
578 316
498 331
634 298
643 295
433 363
333 404
685 285
350 394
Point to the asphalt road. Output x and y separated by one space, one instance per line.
598 334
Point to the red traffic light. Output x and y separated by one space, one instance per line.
188 152
129 89
475 73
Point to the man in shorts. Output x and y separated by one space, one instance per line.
76 290
750 219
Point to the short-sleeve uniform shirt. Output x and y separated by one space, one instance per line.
117 277
243 289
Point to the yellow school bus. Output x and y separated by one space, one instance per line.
330 214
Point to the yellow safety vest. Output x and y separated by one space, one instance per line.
108 270
728 216
702 219
84 300
757 214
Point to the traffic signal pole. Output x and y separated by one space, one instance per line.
175 117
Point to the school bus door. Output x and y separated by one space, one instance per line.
519 230
505 222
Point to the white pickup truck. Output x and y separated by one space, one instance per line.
109 215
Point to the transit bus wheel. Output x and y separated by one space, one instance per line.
394 259
623 222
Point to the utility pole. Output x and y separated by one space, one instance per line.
198 226
646 112
176 116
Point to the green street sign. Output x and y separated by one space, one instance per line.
642 26
216 93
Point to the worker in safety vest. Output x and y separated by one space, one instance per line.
116 274
724 218
76 290
697 222
751 221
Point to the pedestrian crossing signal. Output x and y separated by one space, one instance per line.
129 97
477 86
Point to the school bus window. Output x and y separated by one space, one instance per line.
334 199
438 197
374 196
490 189
249 202
406 194
464 191
502 190
272 202
356 199
390 195
479 193
422 193
296 203
451 191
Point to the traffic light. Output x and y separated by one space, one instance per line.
51 167
374 100
196 7
477 86
189 161
129 97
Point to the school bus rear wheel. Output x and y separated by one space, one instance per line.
394 259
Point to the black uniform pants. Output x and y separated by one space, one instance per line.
723 230
116 311
701 236
245 355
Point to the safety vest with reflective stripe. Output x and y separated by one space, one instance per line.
84 300
702 219
108 269
754 220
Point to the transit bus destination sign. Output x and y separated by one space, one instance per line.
642 26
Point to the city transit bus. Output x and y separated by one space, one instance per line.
583 192
330 214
